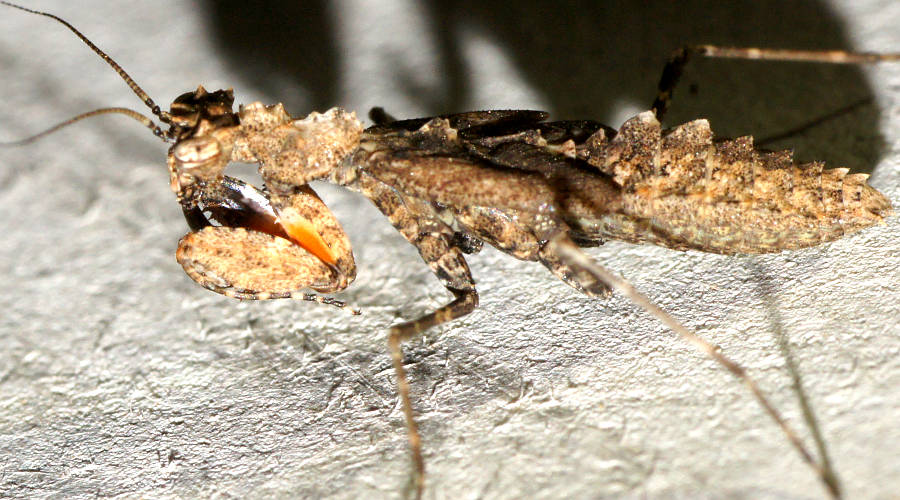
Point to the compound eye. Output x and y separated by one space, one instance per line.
185 120
197 152
184 111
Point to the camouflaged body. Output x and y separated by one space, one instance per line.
499 173
510 179
684 190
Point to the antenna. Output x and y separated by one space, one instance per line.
146 121
163 116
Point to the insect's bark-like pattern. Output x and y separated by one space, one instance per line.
293 152
683 190
419 223
513 199
510 178
251 254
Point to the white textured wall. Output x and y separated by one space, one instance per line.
120 377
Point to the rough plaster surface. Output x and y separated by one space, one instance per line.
121 378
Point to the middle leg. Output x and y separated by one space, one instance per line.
419 224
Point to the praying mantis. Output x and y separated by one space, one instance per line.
525 385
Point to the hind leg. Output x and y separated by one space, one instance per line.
678 60
566 251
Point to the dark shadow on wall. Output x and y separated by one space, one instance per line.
587 57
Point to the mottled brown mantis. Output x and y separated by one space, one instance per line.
218 201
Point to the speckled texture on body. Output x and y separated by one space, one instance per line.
120 377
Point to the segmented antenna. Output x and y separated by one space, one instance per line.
163 116
146 121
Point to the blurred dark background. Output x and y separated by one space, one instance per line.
586 58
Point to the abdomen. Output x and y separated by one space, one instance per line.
682 190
